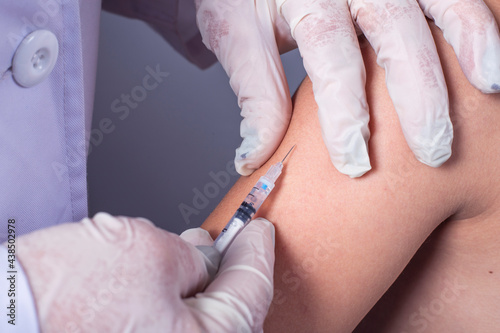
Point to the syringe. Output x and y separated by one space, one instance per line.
249 206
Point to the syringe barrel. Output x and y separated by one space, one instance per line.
234 226
244 214
259 193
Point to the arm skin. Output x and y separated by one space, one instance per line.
341 242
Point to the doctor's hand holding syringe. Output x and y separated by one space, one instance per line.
118 274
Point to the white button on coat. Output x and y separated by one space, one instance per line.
35 58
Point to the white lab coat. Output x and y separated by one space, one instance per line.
44 128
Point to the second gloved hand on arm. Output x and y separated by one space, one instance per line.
118 274
248 36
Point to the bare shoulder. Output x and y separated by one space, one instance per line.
341 242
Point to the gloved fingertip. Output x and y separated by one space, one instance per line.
355 171
347 144
262 227
102 215
351 165
267 225
262 129
487 85
110 229
197 236
485 72
488 88
434 157
107 220
490 65
242 167
248 156
433 144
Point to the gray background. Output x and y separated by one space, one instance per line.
158 155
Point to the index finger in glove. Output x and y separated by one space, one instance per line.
241 34
204 243
470 27
239 297
197 237
401 38
327 41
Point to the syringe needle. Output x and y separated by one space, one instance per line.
287 154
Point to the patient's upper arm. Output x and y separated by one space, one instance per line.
341 242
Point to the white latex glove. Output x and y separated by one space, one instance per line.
118 274
248 36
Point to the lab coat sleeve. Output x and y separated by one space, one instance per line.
15 293
175 20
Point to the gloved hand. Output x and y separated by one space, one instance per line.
248 36
118 274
